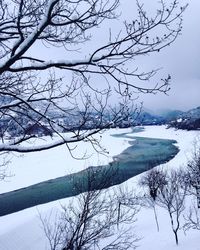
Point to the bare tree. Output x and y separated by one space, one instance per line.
93 220
37 91
192 219
193 172
172 198
153 180
5 159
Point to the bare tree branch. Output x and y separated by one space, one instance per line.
92 220
44 96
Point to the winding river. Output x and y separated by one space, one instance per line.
143 154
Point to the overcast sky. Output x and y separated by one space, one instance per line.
182 61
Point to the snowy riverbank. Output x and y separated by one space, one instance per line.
32 168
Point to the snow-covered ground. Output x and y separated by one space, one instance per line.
22 230
32 168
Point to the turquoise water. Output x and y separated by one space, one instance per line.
143 154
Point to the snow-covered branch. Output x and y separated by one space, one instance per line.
46 96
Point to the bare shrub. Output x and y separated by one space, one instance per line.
167 190
153 180
172 198
96 219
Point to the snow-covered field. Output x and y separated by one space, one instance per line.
28 169
23 231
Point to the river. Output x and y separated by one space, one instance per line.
142 154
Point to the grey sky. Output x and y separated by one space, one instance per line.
182 61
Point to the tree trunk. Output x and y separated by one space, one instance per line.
198 197
156 218
176 236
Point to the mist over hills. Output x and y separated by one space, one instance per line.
13 124
188 120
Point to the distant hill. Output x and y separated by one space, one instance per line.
146 118
189 120
172 115
159 117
